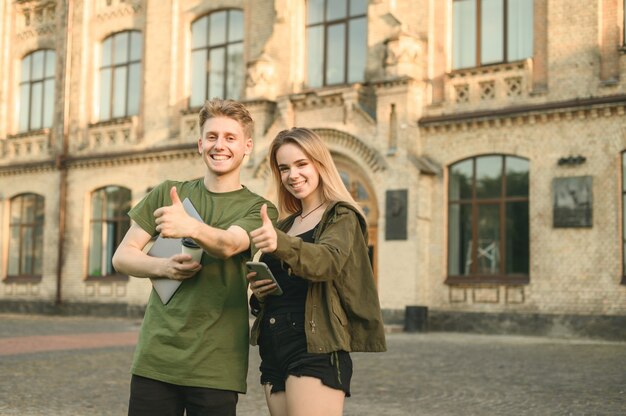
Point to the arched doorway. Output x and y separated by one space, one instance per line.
362 192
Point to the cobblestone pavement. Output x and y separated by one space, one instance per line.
79 366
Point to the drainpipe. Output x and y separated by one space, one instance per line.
62 131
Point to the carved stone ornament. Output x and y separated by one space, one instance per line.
402 56
111 9
261 78
35 18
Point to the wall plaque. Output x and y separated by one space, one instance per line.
396 215
572 202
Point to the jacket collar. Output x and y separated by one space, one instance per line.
329 214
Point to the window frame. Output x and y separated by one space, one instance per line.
117 222
36 251
505 37
624 25
623 220
112 66
501 277
31 82
208 47
326 24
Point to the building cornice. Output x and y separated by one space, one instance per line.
578 108
28 167
180 151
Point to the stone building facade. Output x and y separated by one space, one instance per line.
485 140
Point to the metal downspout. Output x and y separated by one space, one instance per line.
61 159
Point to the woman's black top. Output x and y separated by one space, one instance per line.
294 287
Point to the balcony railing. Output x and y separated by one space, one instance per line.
488 86
26 147
109 136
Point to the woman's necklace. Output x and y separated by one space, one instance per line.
302 217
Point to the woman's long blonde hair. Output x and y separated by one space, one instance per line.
333 188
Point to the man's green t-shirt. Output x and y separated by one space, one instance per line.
200 338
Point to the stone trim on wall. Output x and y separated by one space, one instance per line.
357 149
581 109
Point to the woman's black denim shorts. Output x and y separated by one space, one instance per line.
282 345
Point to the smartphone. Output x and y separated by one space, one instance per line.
263 272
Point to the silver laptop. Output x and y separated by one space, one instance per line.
167 247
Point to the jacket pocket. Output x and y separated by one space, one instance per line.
337 309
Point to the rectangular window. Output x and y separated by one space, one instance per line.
517 237
120 88
217 65
459 239
314 11
26 236
315 56
48 102
336 9
464 34
235 66
491 31
198 77
36 101
105 94
336 42
14 255
520 29
120 48
357 49
487 252
217 29
120 75
109 223
336 54
134 82
24 104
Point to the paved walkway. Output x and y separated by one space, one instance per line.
79 366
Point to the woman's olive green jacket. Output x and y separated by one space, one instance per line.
342 311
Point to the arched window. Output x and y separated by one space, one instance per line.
491 31
120 75
488 238
357 184
26 236
37 90
217 67
109 223
336 41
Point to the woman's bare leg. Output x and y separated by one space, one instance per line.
307 396
276 402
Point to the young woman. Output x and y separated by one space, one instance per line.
329 307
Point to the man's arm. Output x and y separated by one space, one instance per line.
222 243
130 259
174 222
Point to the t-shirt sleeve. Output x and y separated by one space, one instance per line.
143 212
252 220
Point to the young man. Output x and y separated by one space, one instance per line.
192 353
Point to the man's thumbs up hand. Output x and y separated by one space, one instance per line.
264 238
172 221
174 196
